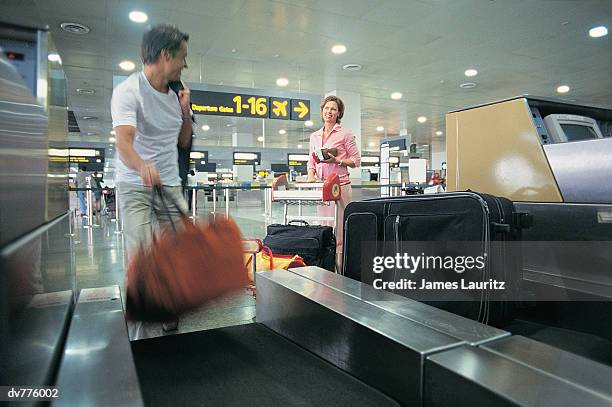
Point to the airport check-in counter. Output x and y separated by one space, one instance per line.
531 149
552 159
317 343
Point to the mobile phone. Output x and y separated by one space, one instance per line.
176 86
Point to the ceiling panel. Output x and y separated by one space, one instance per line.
418 47
77 9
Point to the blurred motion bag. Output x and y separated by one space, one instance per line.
184 269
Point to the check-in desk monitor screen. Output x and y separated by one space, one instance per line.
575 132
565 128
208 167
280 168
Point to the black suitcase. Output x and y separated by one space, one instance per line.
457 216
315 244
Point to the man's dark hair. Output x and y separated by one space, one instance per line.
161 37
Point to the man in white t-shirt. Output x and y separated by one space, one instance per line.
150 120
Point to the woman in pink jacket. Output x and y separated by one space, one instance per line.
331 136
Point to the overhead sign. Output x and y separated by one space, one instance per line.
300 109
243 105
396 144
198 157
297 160
280 108
247 158
58 155
370 161
86 155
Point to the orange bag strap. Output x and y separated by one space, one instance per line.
157 190
268 251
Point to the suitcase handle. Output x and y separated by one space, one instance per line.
303 222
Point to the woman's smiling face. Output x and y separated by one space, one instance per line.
330 112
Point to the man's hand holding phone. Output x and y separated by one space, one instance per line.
184 97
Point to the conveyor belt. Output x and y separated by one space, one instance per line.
315 344
242 365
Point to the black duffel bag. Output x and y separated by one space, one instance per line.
315 244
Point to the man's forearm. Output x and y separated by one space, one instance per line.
129 156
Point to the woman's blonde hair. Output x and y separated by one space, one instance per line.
332 98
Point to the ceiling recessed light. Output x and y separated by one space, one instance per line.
352 67
421 119
75 28
282 131
282 82
439 133
300 146
112 132
234 50
206 127
338 49
54 58
371 144
138 16
260 139
89 117
380 128
127 65
111 139
563 89
308 123
597 32
83 91
471 72
228 125
467 85
396 95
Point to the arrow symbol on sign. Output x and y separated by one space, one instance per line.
280 108
302 109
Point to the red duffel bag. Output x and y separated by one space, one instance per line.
183 269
